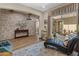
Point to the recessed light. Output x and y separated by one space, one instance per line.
43 7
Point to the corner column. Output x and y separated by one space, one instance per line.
49 27
77 9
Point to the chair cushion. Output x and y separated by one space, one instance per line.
56 41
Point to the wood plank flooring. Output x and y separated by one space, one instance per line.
22 42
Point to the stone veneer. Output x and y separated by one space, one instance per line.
8 21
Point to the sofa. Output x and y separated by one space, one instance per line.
59 45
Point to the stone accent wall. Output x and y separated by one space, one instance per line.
8 23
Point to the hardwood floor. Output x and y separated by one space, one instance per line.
22 42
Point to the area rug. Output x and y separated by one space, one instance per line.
37 49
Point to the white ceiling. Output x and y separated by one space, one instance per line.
41 6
